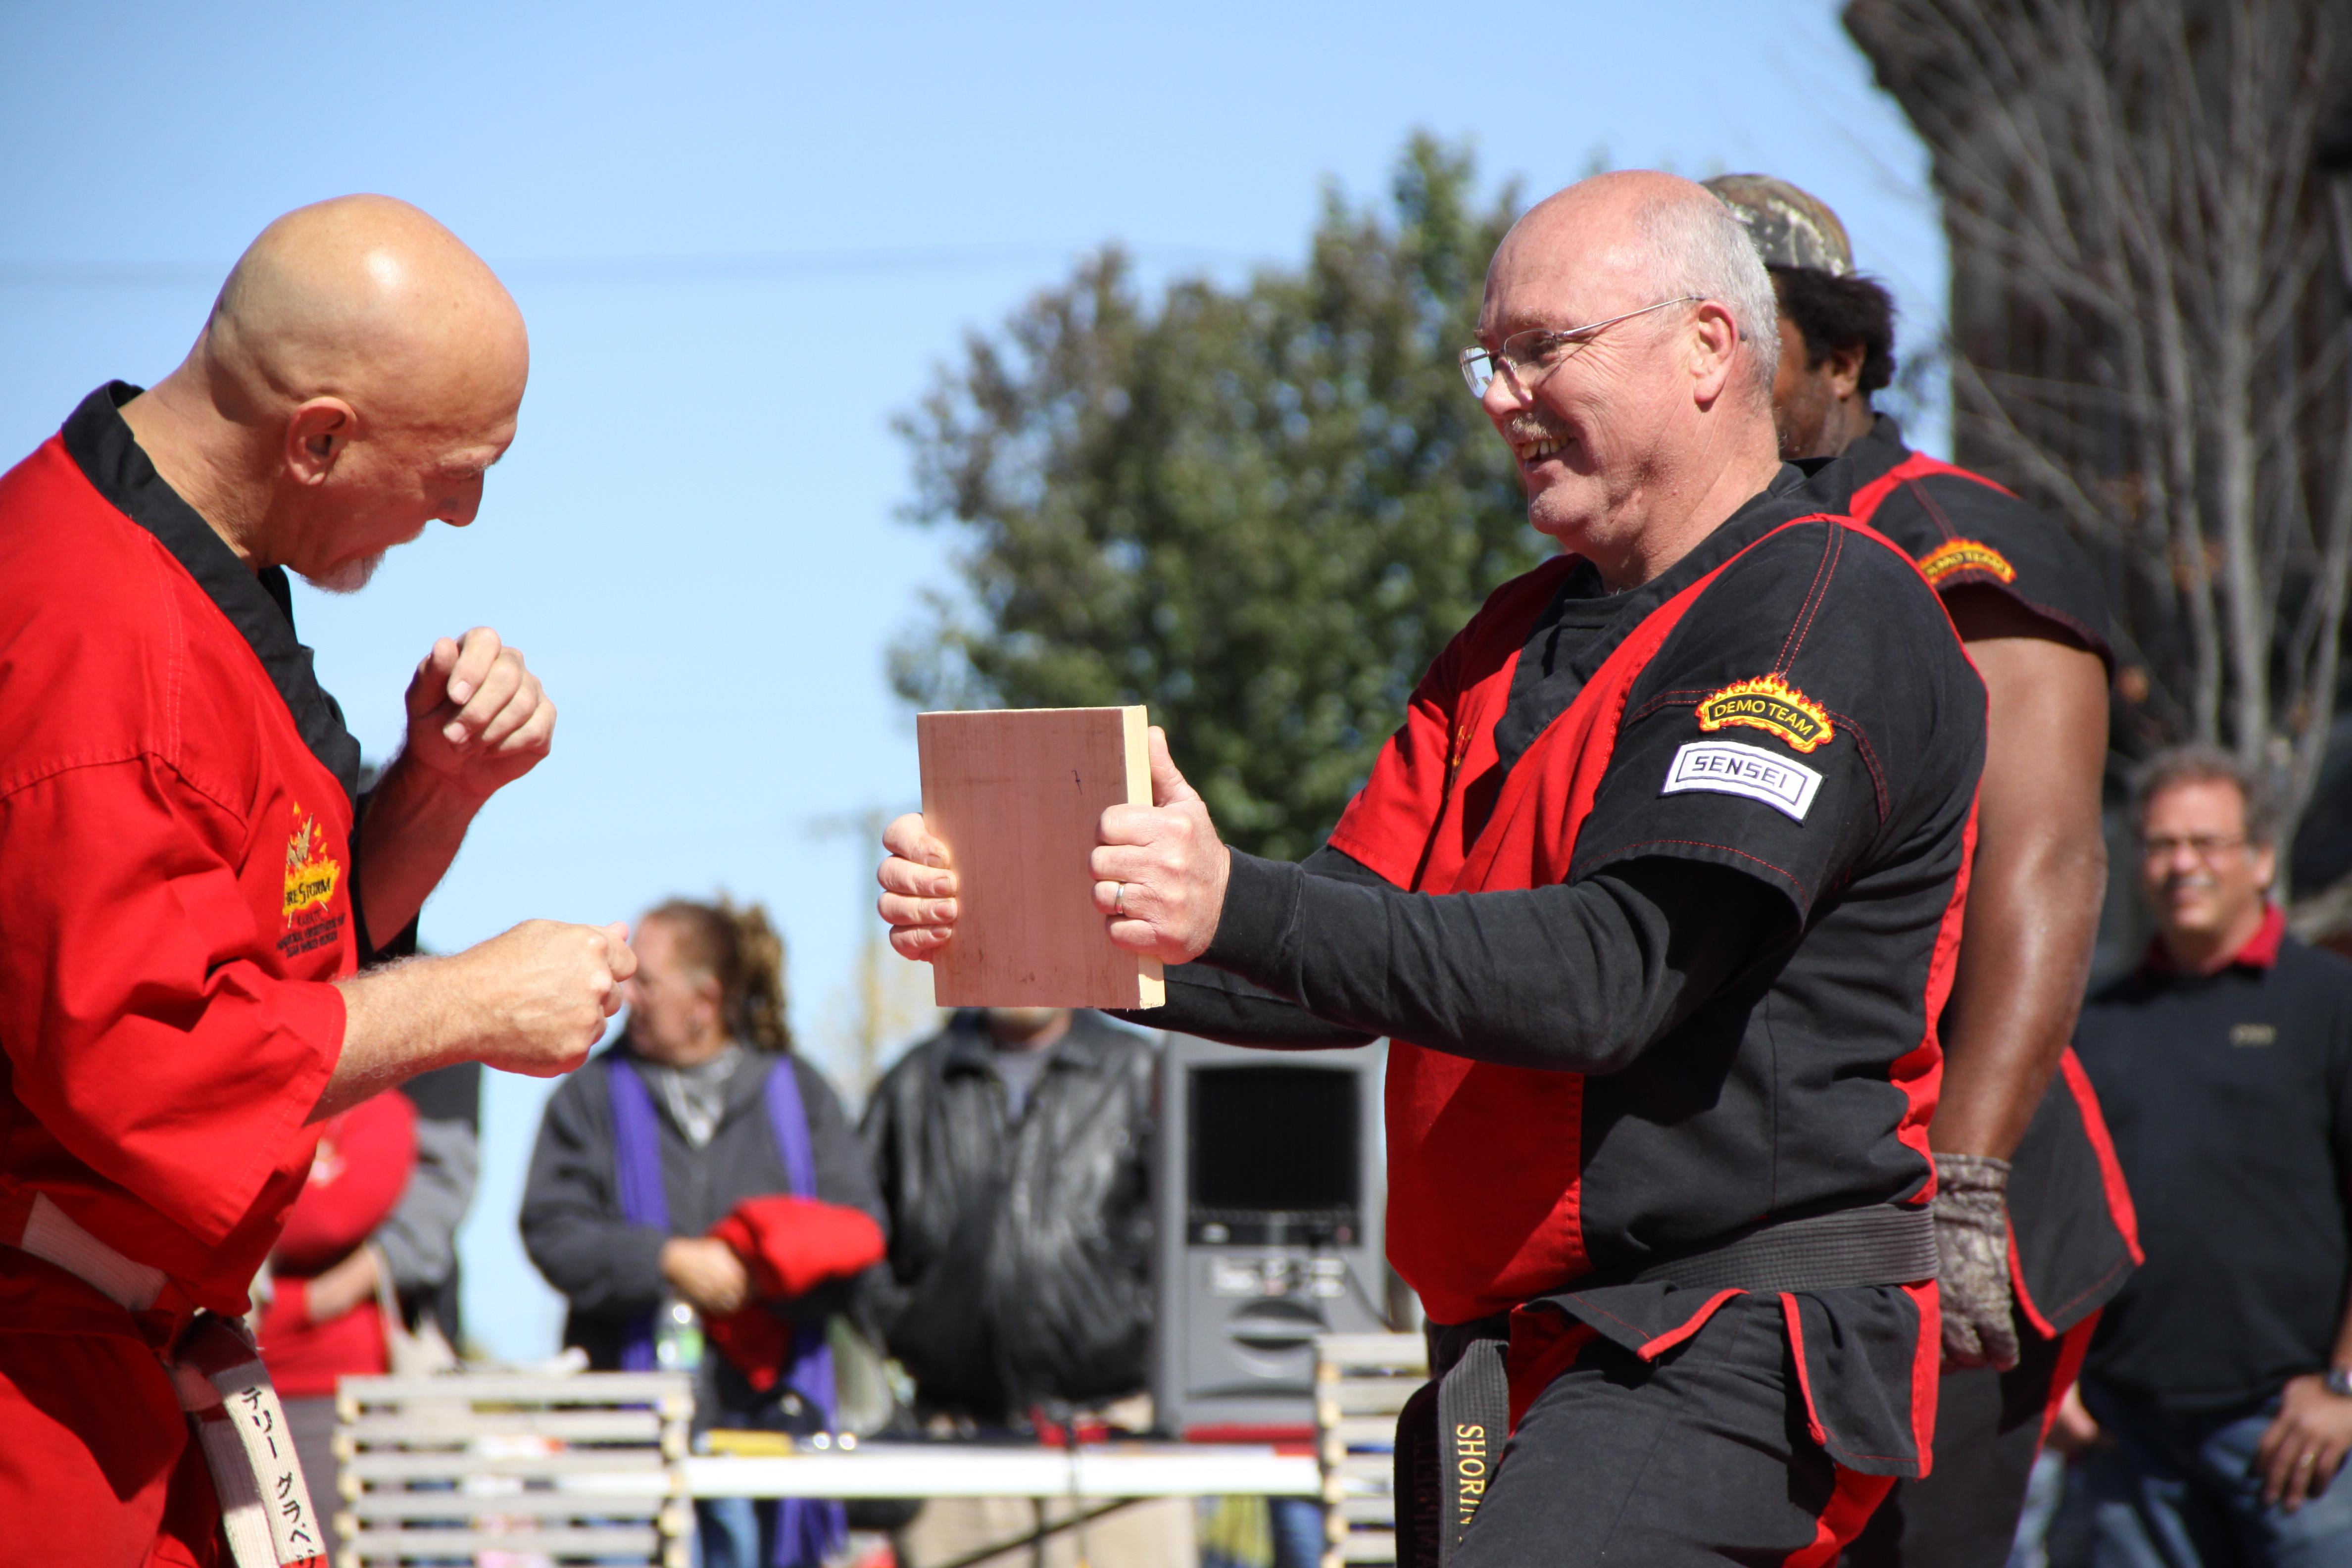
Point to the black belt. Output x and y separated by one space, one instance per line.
1881 1245
1850 1250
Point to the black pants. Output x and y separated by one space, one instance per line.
1988 1429
1701 1457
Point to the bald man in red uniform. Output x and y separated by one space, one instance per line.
195 902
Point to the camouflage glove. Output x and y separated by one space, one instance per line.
1971 1210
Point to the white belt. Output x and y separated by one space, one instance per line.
218 1372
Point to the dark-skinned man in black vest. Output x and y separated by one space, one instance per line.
2020 1146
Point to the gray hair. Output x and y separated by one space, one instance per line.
1700 248
2207 764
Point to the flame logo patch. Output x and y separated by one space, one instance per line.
1956 555
312 874
1770 704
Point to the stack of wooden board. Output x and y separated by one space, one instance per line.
523 1466
1362 1382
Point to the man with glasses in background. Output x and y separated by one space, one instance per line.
1655 894
2222 1373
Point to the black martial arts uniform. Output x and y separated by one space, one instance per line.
2073 1241
1656 894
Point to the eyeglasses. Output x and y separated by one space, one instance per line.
1527 357
2206 846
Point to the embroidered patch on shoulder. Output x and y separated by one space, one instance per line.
1727 767
1770 704
1965 555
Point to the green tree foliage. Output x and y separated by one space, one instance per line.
1260 511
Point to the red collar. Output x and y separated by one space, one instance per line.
2261 952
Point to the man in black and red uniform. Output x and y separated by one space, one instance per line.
2020 1146
1661 880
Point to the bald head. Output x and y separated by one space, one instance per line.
1638 235
368 299
1637 334
360 372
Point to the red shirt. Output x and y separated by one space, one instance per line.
175 890
2261 952
362 1167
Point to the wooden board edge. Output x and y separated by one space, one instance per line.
1136 722
1151 982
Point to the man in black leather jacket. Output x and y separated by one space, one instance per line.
1013 1150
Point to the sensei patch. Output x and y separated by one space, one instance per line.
1956 555
1727 767
1770 704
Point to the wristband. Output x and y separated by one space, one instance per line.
2339 1381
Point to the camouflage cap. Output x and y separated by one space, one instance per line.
1790 228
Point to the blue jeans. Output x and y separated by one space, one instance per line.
727 1533
1298 1528
2178 1491
2043 1493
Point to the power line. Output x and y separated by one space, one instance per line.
741 266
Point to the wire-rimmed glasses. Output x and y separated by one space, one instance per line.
1527 357
2208 847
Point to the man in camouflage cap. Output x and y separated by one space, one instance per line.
1791 229
2017 1155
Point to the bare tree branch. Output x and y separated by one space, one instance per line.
2145 332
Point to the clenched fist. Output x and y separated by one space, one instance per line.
476 717
706 1273
540 994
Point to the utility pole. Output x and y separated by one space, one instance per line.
864 827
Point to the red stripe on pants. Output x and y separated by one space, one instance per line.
1857 1497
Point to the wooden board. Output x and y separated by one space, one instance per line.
1016 796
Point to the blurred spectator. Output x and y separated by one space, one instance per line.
696 1119
1014 1150
2221 1375
370 1253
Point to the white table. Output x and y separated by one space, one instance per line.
953 1469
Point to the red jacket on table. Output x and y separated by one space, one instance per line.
175 881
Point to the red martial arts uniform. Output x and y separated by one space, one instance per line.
175 901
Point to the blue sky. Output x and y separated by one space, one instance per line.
743 236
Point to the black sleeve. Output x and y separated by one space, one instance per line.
880 1296
1812 716
1578 977
449 1094
844 1176
1217 1005
571 1221
402 943
1964 532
